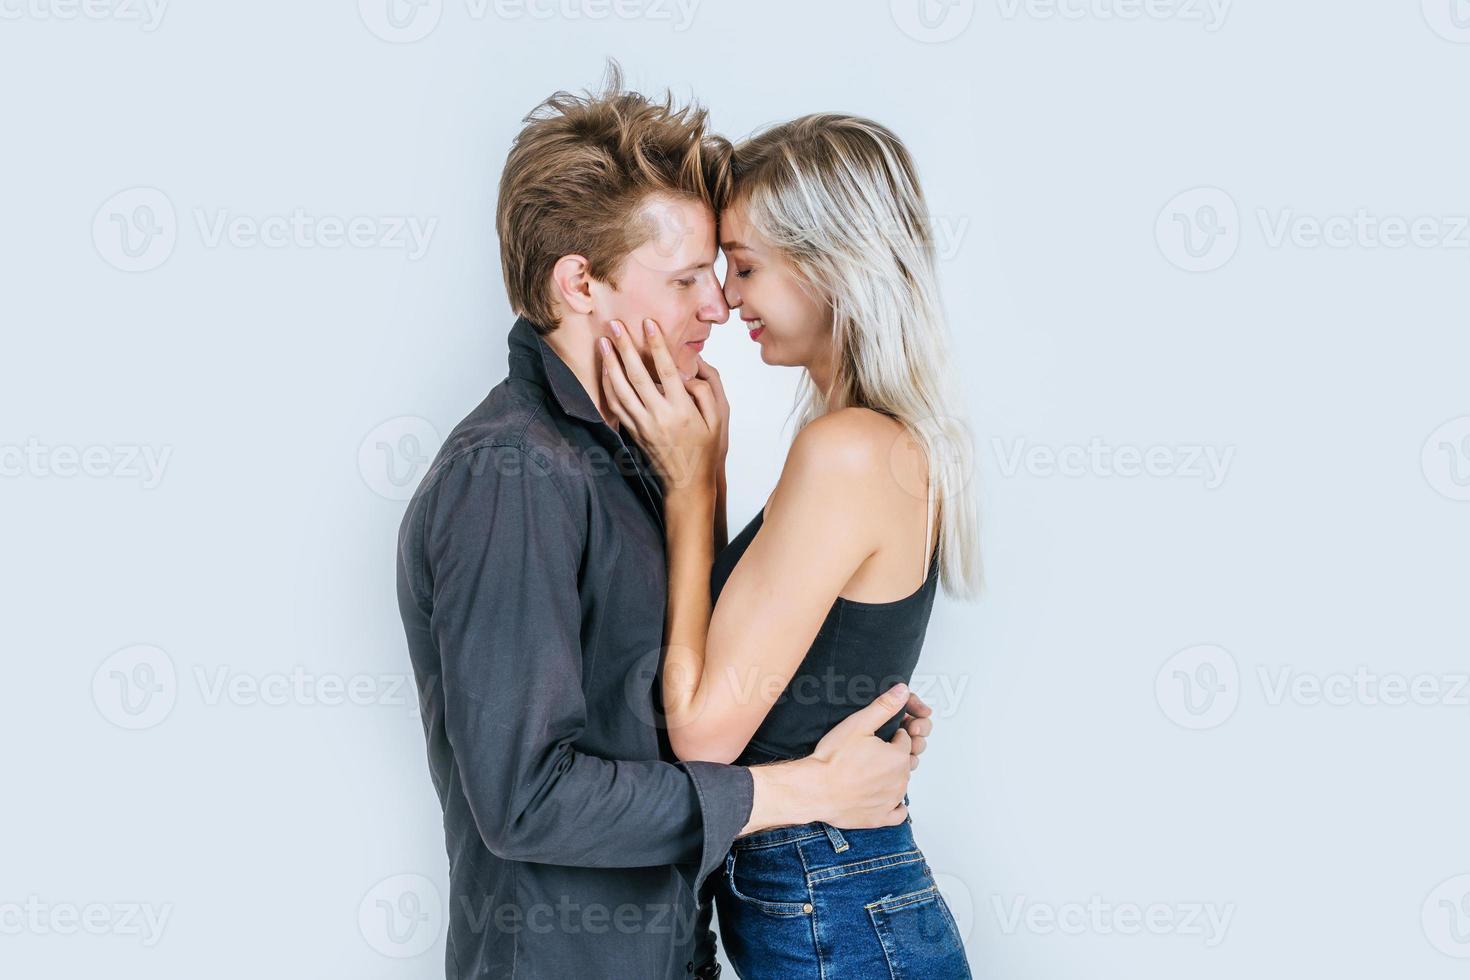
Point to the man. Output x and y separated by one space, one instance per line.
531 582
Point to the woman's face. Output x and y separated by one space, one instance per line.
793 327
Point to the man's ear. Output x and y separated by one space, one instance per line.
573 284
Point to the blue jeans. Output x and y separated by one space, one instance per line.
812 902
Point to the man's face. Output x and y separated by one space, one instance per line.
670 278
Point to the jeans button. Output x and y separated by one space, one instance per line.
807 907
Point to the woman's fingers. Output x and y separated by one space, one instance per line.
705 371
663 361
633 369
704 397
621 398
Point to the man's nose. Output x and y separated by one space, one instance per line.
714 309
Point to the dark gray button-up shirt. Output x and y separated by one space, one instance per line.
532 585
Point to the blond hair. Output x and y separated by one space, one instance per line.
839 196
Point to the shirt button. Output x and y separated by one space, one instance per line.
689 967
807 907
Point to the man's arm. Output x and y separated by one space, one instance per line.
500 548
501 552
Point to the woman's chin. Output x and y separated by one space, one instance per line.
774 358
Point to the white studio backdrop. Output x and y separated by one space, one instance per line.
1206 267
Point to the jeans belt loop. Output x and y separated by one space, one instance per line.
839 843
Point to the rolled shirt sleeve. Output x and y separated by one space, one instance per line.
502 549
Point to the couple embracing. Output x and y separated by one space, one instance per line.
633 723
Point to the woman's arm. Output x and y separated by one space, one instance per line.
724 670
722 526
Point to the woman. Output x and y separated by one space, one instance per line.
822 601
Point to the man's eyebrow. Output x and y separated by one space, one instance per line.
692 268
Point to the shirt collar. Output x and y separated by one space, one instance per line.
531 357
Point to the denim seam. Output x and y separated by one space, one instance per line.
895 902
865 867
811 899
742 846
885 940
773 908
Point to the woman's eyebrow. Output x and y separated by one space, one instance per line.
733 246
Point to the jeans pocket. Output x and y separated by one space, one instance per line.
763 882
919 937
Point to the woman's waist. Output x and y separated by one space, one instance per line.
791 833
793 730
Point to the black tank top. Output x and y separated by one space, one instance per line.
862 649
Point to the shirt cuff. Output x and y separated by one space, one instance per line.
726 795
